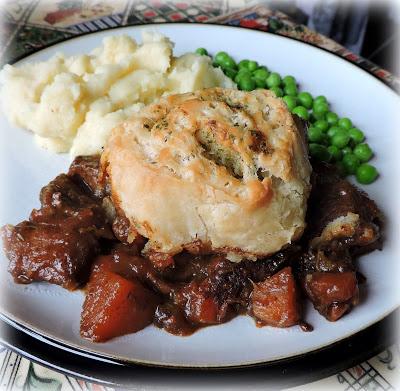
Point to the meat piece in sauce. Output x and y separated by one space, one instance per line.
125 261
41 252
115 306
209 298
218 288
67 205
334 197
123 231
275 301
86 170
60 240
343 223
171 318
209 289
200 306
332 293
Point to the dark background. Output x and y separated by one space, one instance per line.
369 28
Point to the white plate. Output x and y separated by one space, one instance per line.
373 107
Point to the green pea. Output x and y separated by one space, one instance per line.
237 78
246 83
289 80
316 116
305 99
278 91
366 174
351 163
332 131
262 67
345 123
202 52
291 102
291 89
220 57
319 110
363 152
325 139
340 139
229 63
230 72
331 117
346 150
301 111
319 152
243 64
224 60
356 135
273 80
252 65
322 125
315 135
320 107
261 83
320 98
335 152
242 73
261 73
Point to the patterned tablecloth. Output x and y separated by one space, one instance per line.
29 25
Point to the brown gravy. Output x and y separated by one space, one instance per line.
77 240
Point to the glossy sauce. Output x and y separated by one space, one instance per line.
76 236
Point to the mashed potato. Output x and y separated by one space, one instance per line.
72 103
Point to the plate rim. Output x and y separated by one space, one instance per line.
294 370
124 361
72 347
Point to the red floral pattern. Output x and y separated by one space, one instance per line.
31 34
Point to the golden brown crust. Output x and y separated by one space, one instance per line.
222 167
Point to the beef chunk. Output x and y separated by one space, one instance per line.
160 261
115 306
263 268
342 223
333 294
67 205
86 170
60 240
122 228
125 261
211 289
186 268
333 197
40 252
275 301
64 192
171 318
200 306
123 231
203 299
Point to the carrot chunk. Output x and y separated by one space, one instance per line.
275 300
115 306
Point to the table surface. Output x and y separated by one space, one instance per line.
29 25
